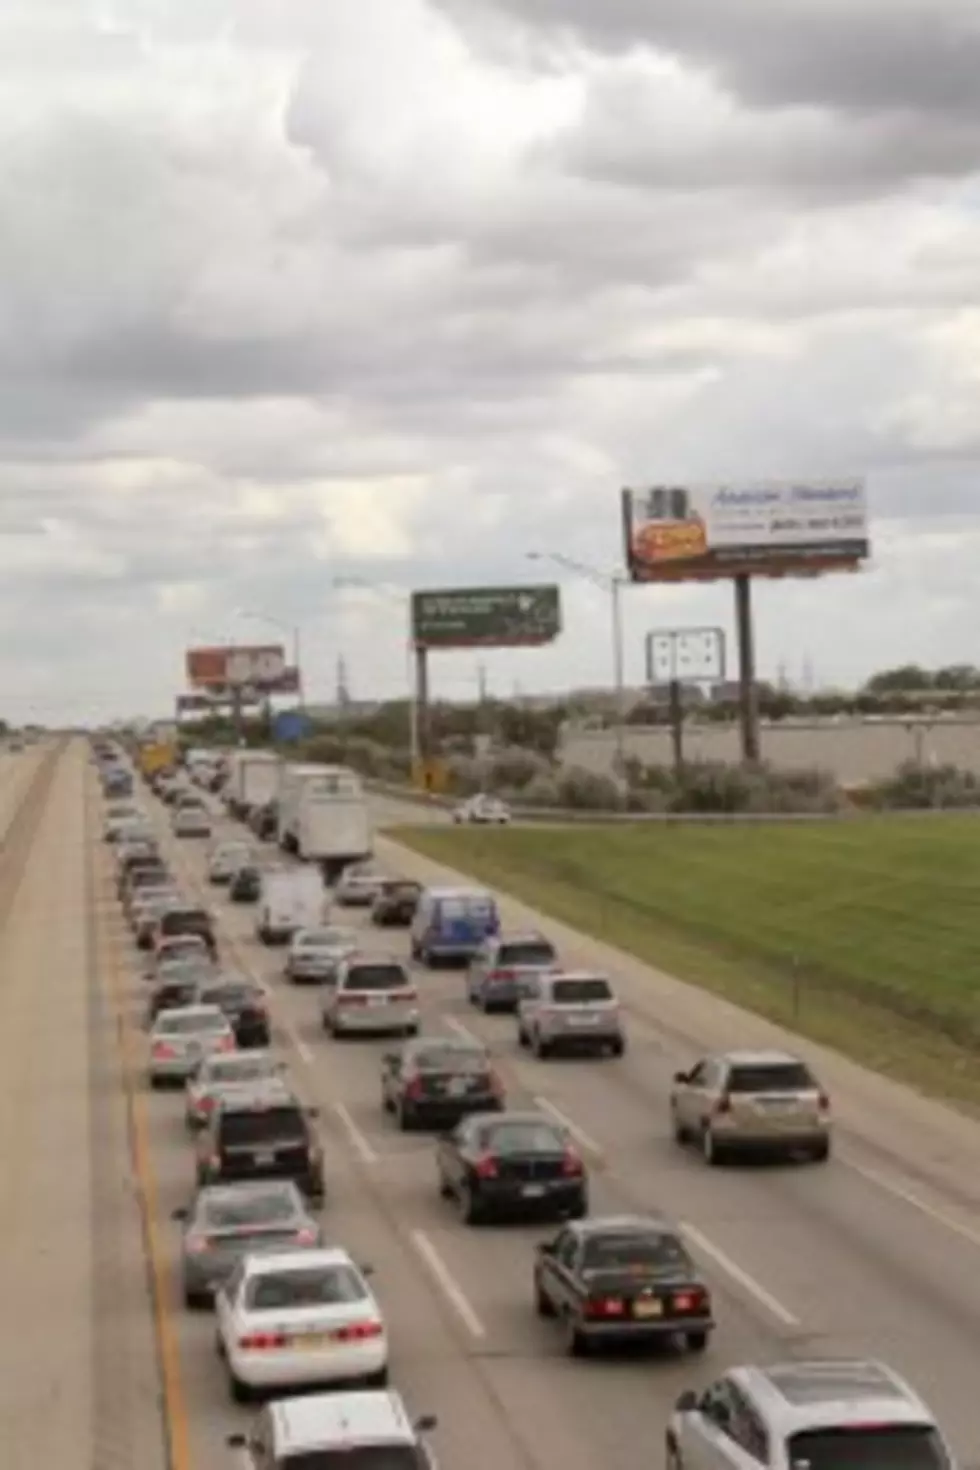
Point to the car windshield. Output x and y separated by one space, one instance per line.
199 1021
271 1207
318 1286
771 1077
877 1447
527 952
285 1124
376 977
359 1457
448 1058
632 1250
239 1068
580 992
528 1137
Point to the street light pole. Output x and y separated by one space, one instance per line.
613 584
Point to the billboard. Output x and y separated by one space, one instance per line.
290 725
773 528
251 669
486 617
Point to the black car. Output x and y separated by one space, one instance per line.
261 1132
395 903
143 875
511 1165
264 821
246 884
243 1002
622 1279
433 1081
171 995
188 919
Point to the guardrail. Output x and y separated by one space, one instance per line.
570 816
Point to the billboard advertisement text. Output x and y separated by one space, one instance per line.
258 669
486 617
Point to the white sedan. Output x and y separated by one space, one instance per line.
483 810
191 821
302 1317
358 887
226 859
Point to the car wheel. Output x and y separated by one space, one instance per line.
711 1152
540 1047
696 1342
406 1118
470 1207
387 1106
378 1379
579 1210
521 1036
194 1301
618 1047
678 1130
820 1153
575 1341
543 1304
412 1030
673 1457
240 1392
445 1188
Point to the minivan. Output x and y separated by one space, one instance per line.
452 923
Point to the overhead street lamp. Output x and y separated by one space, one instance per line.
292 631
362 584
612 583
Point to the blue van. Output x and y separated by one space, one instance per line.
452 923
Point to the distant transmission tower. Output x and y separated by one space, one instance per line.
343 691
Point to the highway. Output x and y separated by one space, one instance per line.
875 1253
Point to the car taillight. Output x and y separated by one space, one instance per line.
571 1164
226 1043
358 1332
690 1301
195 1244
724 1104
205 1104
407 995
604 1306
162 1052
414 1089
486 1167
502 975
306 1237
259 1341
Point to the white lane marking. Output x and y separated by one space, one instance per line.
741 1278
300 1045
450 1287
463 1032
579 1134
907 1196
358 1142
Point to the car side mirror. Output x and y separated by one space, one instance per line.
687 1402
180 1214
313 1112
236 1441
367 1270
682 1077
426 1424
546 1248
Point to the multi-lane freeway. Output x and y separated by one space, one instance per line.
875 1253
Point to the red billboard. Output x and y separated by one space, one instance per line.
255 668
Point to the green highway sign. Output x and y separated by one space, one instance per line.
486 617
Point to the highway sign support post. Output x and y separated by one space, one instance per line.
679 655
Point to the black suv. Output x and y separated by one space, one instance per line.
260 1131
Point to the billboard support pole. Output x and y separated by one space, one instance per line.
422 703
748 702
677 724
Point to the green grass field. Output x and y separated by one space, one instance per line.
863 934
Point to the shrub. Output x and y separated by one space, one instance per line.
587 791
915 787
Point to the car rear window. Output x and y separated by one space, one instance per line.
581 992
451 1059
526 952
276 1207
522 1138
259 1125
771 1077
877 1447
359 1457
282 1291
229 995
657 1251
376 977
242 1068
180 1025
178 921
466 906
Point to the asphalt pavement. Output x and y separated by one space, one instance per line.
855 1257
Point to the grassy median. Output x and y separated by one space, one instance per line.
863 934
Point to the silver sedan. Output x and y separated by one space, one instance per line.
228 1221
218 1073
314 954
181 1039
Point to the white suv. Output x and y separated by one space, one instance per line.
336 1430
570 1012
821 1414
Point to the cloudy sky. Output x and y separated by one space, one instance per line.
295 292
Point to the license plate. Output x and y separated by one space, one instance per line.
533 1191
313 1340
457 1087
377 1000
648 1308
265 1156
583 1020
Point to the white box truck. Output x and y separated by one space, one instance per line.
333 824
253 781
290 899
293 778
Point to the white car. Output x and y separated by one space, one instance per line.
372 1427
372 995
221 1071
358 887
314 954
226 859
482 810
191 821
300 1317
182 1038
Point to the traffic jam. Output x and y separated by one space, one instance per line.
300 1328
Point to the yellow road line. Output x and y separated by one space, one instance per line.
162 1296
